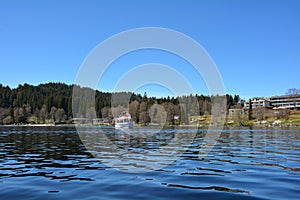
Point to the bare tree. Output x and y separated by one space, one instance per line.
293 91
134 110
60 115
157 114
27 111
283 113
91 114
239 118
143 113
206 107
260 113
19 116
43 114
52 113
106 113
118 110
172 111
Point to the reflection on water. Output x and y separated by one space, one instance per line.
52 163
137 150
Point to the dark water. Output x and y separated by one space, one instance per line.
53 163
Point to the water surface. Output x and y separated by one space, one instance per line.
53 163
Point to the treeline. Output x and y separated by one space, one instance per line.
52 103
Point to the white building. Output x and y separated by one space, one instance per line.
286 101
258 102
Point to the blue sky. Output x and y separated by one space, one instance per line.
255 44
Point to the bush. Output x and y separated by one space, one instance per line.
8 120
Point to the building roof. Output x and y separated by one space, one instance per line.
286 96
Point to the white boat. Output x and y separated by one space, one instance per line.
124 121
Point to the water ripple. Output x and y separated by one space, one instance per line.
52 163
218 188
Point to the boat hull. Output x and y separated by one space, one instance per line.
124 125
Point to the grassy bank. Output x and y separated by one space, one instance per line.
292 120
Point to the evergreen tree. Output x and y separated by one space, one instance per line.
42 102
250 110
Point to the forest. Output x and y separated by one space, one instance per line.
52 103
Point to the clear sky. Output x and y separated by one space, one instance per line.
255 44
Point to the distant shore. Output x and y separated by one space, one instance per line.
30 125
183 126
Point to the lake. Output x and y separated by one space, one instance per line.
54 163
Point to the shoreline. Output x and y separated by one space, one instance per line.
262 126
32 125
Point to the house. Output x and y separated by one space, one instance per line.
232 112
257 102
